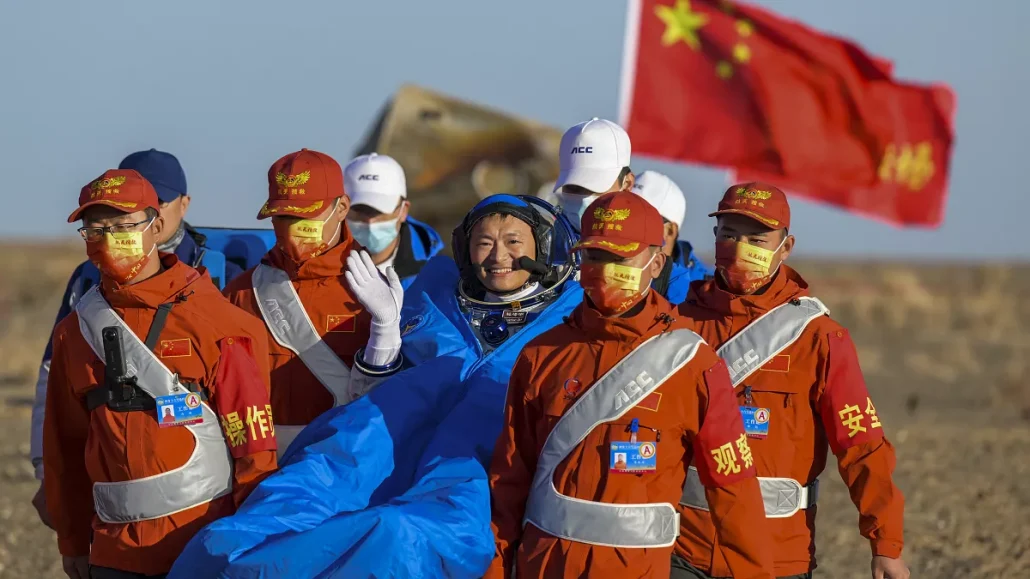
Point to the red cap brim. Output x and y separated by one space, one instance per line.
290 208
766 221
620 247
123 206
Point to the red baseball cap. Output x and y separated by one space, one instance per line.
759 201
623 223
123 189
301 184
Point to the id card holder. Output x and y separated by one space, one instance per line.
633 456
756 421
179 409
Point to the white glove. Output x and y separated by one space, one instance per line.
382 297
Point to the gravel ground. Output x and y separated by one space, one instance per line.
945 350
27 548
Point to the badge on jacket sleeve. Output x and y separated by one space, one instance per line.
179 409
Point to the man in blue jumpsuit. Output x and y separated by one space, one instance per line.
379 220
394 484
167 176
683 266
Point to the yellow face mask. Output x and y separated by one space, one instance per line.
622 277
302 239
125 244
306 229
119 256
744 267
613 288
758 257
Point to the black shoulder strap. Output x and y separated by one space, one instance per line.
159 323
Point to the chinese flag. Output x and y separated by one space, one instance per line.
731 85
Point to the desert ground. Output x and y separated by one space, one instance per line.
945 348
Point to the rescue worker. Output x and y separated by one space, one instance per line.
166 175
620 373
125 492
593 160
681 265
408 460
799 387
379 220
314 323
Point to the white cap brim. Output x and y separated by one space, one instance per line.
379 202
593 179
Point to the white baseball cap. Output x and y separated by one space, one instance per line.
663 195
375 180
592 155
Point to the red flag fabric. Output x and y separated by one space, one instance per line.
731 85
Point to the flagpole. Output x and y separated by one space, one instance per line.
629 60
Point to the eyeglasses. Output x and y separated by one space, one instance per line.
97 233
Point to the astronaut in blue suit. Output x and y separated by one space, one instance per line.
379 220
394 484
682 266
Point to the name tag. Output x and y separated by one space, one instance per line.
756 421
633 457
179 410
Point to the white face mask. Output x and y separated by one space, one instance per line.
574 206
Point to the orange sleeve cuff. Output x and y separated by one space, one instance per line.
250 471
886 548
73 546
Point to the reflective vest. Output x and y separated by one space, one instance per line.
207 473
291 327
746 352
653 525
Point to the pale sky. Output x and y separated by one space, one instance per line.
230 86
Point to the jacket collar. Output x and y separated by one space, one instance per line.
188 251
173 281
332 263
405 263
654 310
785 286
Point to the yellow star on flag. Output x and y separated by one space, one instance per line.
681 24
741 52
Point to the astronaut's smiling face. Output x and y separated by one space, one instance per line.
495 244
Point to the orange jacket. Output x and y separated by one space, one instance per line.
205 341
813 390
297 396
694 413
